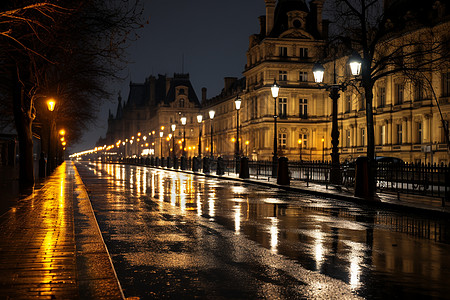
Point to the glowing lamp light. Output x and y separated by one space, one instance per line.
275 89
199 118
238 102
211 114
318 71
62 132
355 64
51 104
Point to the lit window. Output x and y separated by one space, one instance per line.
282 75
282 108
303 76
303 108
282 138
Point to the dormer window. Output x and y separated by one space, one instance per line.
181 92
283 51
297 24
181 102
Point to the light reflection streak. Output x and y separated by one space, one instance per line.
274 234
237 218
211 203
199 203
174 192
355 258
318 250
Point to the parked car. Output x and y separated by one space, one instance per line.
389 160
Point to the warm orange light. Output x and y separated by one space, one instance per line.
207 148
146 144
62 132
247 142
138 139
233 140
62 139
64 143
299 142
138 134
162 127
323 140
51 104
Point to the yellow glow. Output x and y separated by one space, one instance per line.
179 142
167 138
64 143
207 149
132 137
51 104
323 140
190 148
247 142
138 134
233 140
146 144
299 141
62 139
153 132
162 127
62 132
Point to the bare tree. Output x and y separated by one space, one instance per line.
60 49
392 37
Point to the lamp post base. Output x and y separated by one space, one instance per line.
275 166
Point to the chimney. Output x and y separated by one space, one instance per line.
262 25
204 94
316 10
270 15
229 82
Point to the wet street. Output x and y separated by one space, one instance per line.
178 236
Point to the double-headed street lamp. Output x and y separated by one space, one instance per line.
275 89
211 116
237 102
334 88
199 121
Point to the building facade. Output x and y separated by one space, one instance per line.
409 124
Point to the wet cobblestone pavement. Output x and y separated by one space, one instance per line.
175 236
41 252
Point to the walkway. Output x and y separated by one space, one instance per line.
51 246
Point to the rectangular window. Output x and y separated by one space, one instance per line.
304 139
282 108
348 103
398 88
418 91
381 96
282 75
282 139
283 51
363 137
303 108
303 52
383 135
303 76
419 133
399 134
347 138
446 84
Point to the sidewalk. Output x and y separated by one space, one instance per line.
51 246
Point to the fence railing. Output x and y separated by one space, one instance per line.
420 179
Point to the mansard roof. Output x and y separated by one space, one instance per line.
181 80
281 14
138 95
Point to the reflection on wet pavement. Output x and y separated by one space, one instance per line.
173 234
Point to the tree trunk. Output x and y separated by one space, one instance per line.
368 89
23 120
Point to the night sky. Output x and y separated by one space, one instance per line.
212 36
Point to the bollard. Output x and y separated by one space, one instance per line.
183 163
206 165
244 170
283 171
195 164
175 163
42 165
220 166
362 177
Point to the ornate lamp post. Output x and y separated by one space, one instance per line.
275 89
161 142
51 103
199 121
173 126
334 88
183 122
237 102
211 116
323 153
300 145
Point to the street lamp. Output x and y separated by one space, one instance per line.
160 140
246 147
275 89
237 102
173 126
211 116
183 122
323 153
300 145
334 88
51 103
199 120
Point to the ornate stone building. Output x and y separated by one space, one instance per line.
408 123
